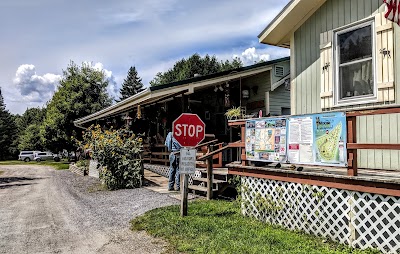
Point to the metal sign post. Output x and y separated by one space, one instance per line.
187 166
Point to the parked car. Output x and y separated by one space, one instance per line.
27 155
44 156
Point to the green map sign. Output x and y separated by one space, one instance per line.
318 139
315 139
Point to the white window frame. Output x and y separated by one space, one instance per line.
336 54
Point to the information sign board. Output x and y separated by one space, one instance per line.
266 140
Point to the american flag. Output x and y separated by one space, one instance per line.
392 10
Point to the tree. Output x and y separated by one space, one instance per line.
132 84
28 125
30 139
195 64
82 91
8 132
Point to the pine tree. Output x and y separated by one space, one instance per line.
131 85
8 132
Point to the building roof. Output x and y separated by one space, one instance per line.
161 93
293 15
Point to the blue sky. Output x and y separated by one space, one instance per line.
39 38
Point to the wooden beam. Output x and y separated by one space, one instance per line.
236 123
373 146
374 112
237 145
211 154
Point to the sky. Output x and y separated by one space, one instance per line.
39 39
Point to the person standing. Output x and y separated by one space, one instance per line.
173 147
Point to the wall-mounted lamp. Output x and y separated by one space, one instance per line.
245 94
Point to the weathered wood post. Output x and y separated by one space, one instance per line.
210 174
351 153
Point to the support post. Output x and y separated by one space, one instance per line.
184 199
243 151
210 174
352 153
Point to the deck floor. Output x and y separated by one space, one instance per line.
373 175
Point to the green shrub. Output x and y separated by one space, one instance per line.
118 153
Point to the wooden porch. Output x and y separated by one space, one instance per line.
378 181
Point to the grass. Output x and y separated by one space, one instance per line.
1 172
61 165
218 227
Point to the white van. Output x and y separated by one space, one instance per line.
27 155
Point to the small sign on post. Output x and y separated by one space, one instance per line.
189 131
187 161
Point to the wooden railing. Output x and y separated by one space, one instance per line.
352 145
158 153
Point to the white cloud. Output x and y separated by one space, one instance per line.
112 88
33 87
142 33
251 56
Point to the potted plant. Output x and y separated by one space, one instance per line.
233 113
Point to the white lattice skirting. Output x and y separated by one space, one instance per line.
359 219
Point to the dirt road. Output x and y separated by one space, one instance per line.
47 211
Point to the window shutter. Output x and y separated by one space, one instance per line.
326 75
384 58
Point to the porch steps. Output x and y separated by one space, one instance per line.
220 182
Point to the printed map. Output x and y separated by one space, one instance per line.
327 145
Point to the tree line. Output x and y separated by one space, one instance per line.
81 92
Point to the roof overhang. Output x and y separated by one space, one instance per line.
145 97
158 94
295 13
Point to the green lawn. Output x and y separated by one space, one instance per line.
218 227
57 165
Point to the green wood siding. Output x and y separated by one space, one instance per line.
307 77
380 129
278 99
263 81
318 30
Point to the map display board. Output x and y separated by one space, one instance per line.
318 139
266 140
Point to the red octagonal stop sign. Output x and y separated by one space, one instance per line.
188 130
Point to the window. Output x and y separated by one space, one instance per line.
354 68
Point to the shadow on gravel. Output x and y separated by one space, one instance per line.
16 179
148 182
14 185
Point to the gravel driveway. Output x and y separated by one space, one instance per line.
47 211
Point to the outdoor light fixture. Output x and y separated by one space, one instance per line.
215 89
226 84
221 88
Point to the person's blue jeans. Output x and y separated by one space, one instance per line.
173 176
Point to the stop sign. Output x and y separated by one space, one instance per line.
188 130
